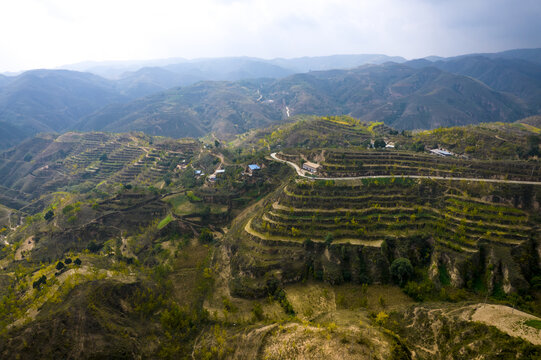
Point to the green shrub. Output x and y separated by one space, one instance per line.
206 236
41 281
379 144
257 312
401 271
67 209
444 277
94 247
49 215
329 238
534 323
419 291
165 221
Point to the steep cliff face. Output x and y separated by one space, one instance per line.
290 263
493 268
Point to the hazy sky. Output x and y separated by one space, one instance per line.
50 33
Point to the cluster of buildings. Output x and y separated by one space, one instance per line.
250 170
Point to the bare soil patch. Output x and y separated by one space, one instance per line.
508 320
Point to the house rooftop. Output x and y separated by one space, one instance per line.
441 152
312 165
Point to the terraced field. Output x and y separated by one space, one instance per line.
393 162
126 158
369 211
89 159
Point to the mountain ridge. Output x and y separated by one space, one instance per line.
399 95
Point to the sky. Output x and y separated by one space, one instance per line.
51 33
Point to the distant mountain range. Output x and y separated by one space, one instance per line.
400 96
193 97
226 68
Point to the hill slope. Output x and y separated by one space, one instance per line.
401 96
515 76
113 246
219 107
52 100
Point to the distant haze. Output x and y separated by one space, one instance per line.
51 33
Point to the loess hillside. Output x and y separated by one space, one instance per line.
126 245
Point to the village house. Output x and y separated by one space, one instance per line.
310 166
253 168
441 152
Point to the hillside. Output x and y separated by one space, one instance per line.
400 96
515 76
83 160
223 108
531 55
150 80
51 100
534 121
4 80
487 141
126 245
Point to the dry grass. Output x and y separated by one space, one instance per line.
508 320
295 341
353 296
310 301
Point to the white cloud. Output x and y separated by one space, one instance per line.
50 33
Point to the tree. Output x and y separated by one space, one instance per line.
49 215
41 281
78 262
533 146
206 236
60 265
379 144
401 271
418 146
94 247
257 312
381 318
329 239
308 244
